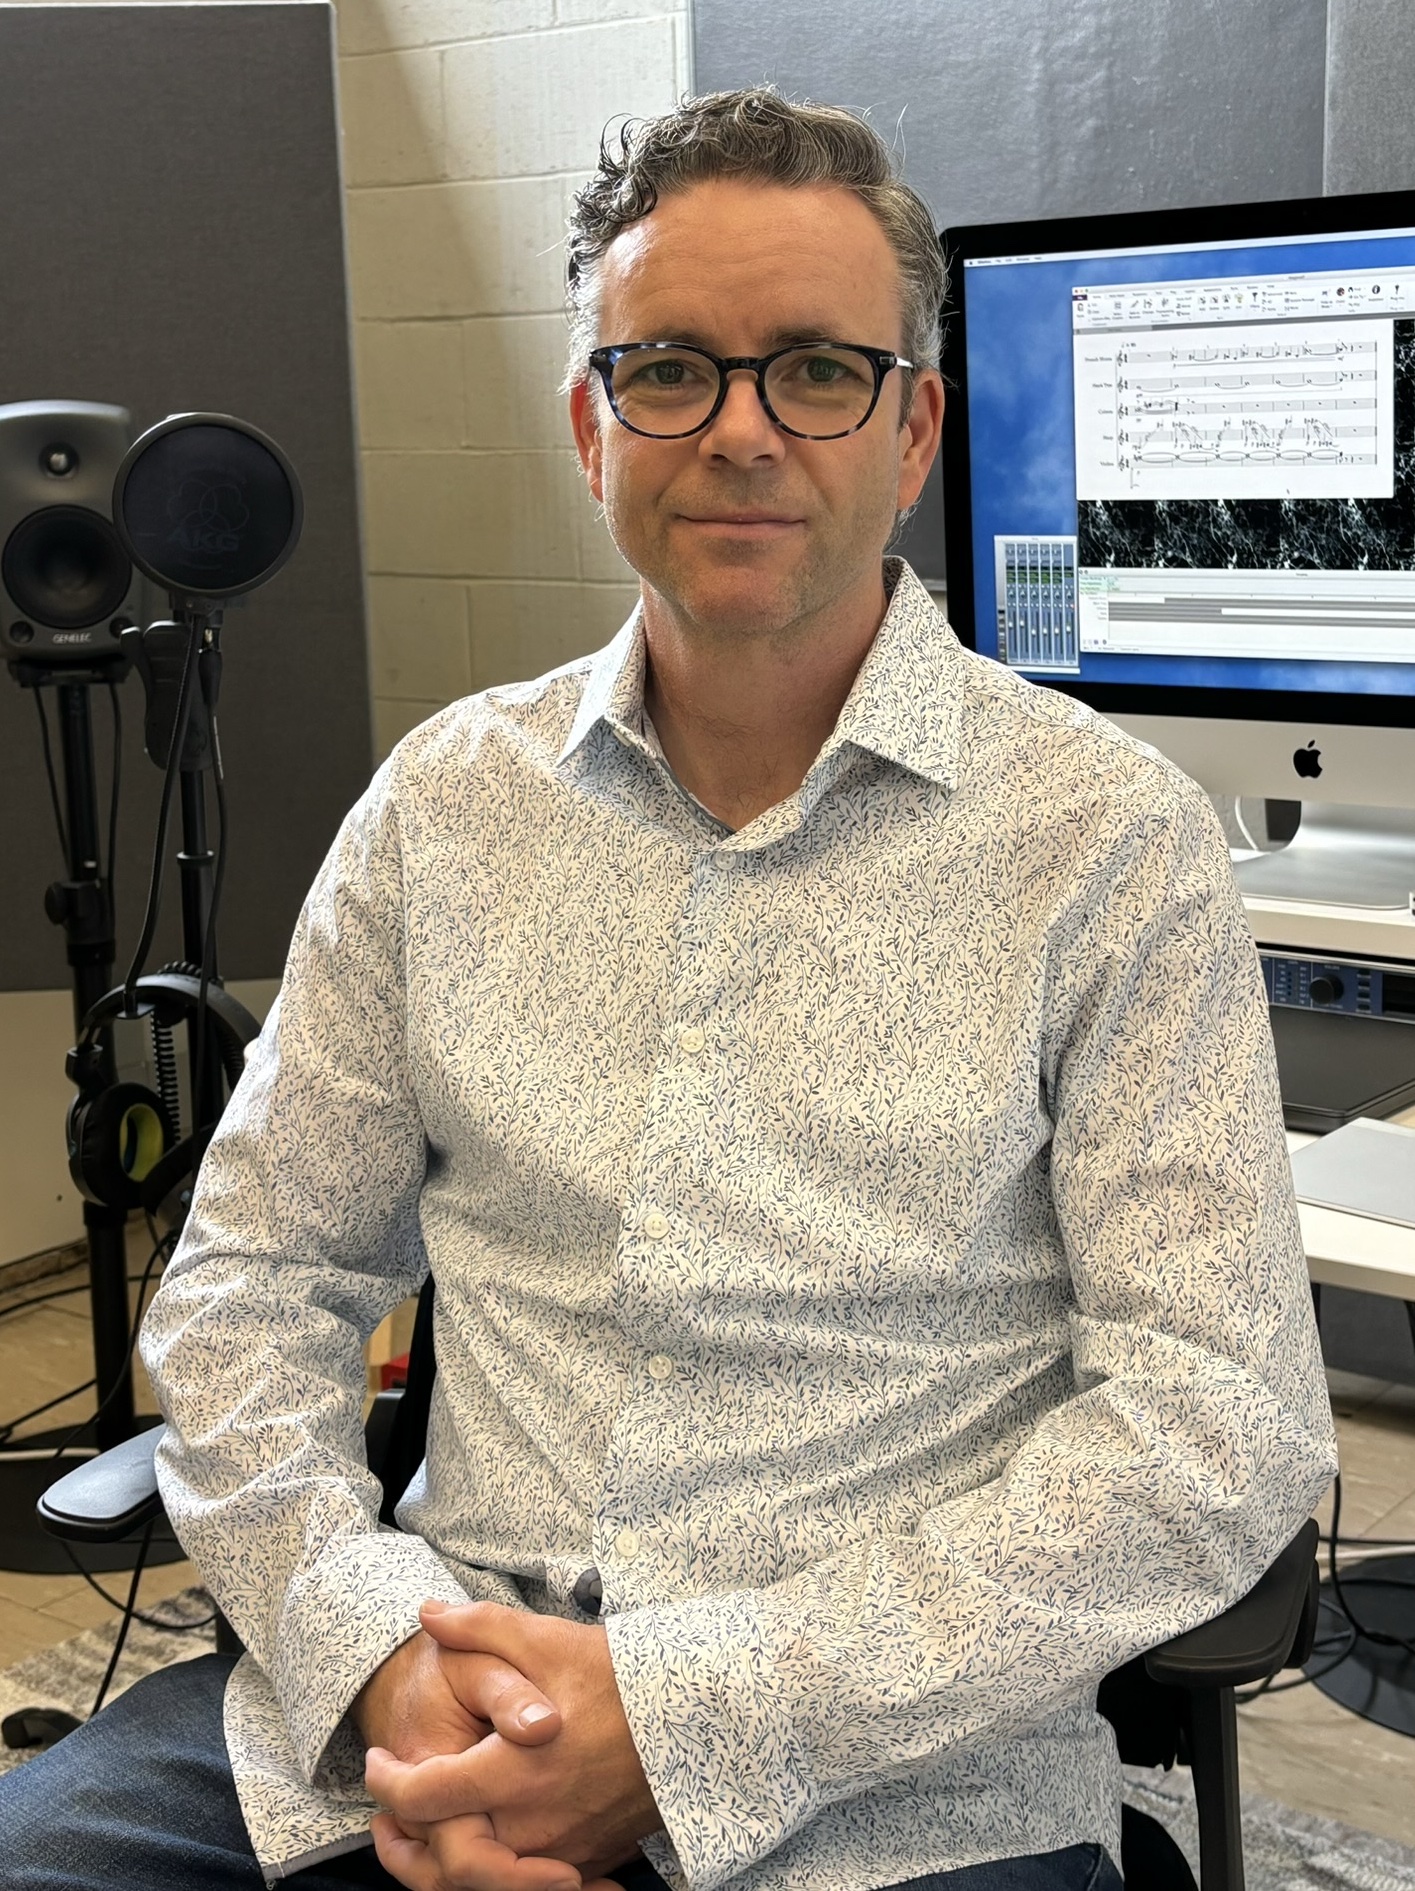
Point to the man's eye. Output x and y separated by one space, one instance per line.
664 375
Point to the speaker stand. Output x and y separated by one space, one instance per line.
1375 1682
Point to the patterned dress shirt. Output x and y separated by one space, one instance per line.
866 1237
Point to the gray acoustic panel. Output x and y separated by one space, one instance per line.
171 229
1032 108
1370 82
1037 108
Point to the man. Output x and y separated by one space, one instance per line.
830 1083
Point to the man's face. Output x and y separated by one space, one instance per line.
743 530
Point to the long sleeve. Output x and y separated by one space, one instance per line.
1197 1439
304 1234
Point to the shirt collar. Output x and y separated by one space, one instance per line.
614 688
903 705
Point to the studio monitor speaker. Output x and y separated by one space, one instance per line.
67 588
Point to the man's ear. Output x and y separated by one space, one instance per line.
920 434
584 419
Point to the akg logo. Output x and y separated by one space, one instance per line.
209 516
1308 761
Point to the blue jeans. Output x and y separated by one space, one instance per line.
141 1799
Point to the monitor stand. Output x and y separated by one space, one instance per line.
1339 856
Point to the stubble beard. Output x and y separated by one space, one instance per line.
734 601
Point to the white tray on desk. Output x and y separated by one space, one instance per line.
1350 1250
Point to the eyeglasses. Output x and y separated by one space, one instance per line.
819 390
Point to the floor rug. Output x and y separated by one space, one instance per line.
1283 1850
69 1674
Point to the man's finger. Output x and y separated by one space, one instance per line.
450 1859
406 1859
442 1787
486 1628
493 1690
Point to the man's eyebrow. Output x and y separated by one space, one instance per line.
778 338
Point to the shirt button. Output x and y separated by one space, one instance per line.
691 1039
626 1545
661 1366
655 1225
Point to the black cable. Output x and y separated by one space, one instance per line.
167 1241
148 1621
113 793
208 949
128 1613
53 779
12 1425
39 1410
1355 1631
169 778
1369 1634
63 1293
1371 1542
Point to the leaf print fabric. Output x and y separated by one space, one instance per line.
866 1237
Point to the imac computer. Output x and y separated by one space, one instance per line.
1179 484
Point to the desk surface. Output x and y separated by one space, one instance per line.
1350 1251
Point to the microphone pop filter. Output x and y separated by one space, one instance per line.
207 506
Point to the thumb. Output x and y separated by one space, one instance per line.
491 1688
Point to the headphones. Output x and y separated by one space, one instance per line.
124 1146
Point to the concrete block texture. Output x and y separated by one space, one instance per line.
391 109
521 630
539 102
1370 79
418 642
494 515
511 368
488 248
589 12
368 26
410 385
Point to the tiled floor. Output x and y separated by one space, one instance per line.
1297 1747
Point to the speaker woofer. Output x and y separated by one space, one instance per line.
66 568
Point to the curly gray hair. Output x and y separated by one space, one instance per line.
753 133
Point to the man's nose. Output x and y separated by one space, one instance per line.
743 430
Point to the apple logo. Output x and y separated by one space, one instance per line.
1308 761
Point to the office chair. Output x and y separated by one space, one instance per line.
1174 1702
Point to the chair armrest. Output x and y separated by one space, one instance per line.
106 1497
1256 1636
115 1494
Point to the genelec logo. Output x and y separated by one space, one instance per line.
73 636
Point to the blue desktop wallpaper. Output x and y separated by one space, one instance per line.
1022 447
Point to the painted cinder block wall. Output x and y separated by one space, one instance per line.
467 125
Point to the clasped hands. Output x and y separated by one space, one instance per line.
498 1744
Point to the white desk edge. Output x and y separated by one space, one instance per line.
1351 1250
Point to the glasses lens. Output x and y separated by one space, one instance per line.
664 390
821 391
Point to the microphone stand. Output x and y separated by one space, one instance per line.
159 656
82 905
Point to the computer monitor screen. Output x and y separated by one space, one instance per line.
1179 475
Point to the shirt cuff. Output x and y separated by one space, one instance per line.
347 1614
702 1698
